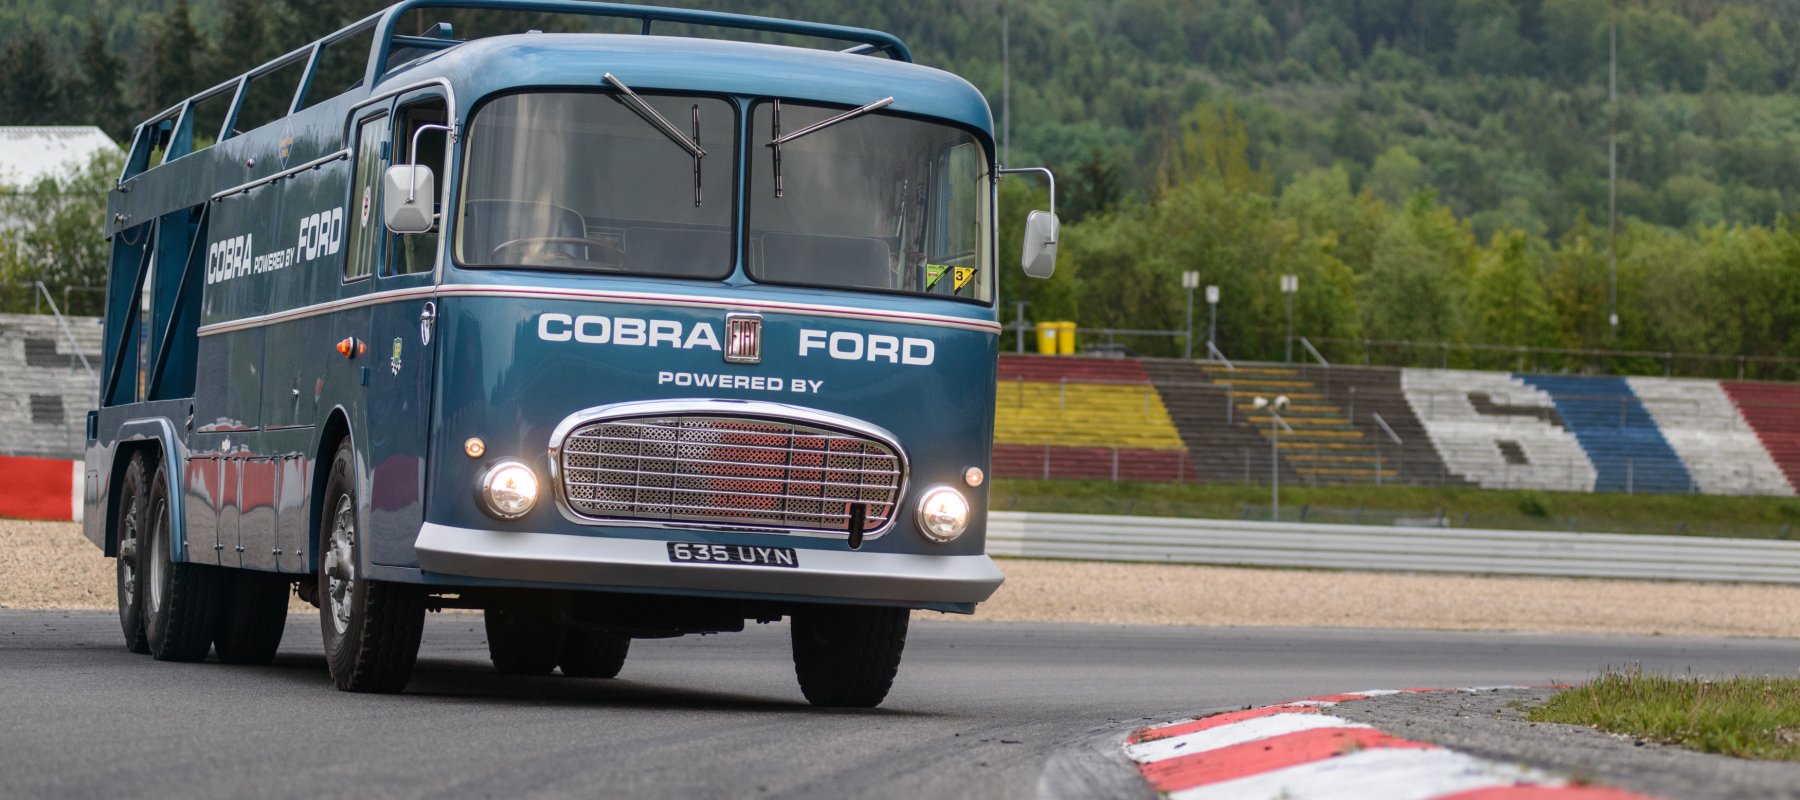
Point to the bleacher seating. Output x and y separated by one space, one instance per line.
48 391
1721 451
1168 420
1495 430
1373 402
1622 441
1082 418
1773 411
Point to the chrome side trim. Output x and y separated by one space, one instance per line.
746 409
601 561
286 173
624 298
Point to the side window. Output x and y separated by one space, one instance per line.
365 197
417 252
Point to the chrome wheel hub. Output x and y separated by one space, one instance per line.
340 564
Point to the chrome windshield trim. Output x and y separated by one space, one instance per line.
710 407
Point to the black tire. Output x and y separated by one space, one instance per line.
847 656
521 645
181 599
252 618
591 654
128 524
371 628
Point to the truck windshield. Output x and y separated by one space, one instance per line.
877 202
580 181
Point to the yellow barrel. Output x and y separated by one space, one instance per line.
1046 333
1065 338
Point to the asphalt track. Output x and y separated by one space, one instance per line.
978 710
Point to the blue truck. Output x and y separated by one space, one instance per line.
605 334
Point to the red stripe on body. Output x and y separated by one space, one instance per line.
1227 718
1266 755
36 488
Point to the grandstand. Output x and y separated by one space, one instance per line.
1173 420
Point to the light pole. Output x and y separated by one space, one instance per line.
1212 325
1019 324
1189 281
1290 286
1274 409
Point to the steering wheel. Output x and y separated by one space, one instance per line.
613 251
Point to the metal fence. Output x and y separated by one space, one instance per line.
1086 537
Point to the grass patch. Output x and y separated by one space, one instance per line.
1462 507
1743 717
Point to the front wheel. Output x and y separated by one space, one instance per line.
371 628
520 644
590 654
847 656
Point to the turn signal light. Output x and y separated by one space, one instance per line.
351 347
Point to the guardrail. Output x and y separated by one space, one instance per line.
1090 537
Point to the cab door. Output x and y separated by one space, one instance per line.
403 342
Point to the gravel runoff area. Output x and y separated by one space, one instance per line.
51 565
1492 724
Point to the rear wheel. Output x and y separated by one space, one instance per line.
519 644
252 618
128 522
590 654
847 656
181 599
371 628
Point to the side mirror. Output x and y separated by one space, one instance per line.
408 198
1039 256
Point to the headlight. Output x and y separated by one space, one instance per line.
943 514
509 489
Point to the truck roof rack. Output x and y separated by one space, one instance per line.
386 41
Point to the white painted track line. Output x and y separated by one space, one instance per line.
1236 733
1371 775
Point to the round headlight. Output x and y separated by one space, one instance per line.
509 489
943 514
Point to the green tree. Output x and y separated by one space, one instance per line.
60 246
102 83
170 73
31 90
1506 299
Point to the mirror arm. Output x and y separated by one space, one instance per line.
413 158
1044 171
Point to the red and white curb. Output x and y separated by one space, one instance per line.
1297 751
40 488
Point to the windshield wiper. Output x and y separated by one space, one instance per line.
662 123
777 139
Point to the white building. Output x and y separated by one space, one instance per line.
30 153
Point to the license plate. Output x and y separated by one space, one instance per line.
690 553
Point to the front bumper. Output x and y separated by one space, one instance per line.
602 562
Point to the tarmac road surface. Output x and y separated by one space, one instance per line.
976 712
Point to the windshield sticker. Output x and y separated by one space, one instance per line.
960 276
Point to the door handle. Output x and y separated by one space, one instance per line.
427 321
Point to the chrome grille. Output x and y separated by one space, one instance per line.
712 469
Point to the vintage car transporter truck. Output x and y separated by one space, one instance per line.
609 335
